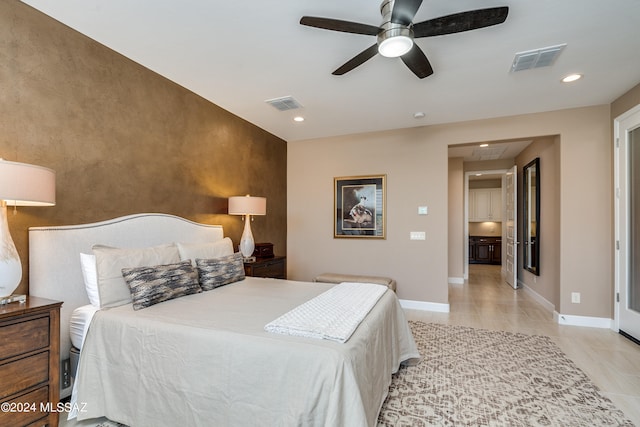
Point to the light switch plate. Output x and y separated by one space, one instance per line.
417 235
423 210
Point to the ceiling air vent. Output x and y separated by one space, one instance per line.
285 103
536 58
488 153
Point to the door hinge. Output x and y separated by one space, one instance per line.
618 245
617 142
617 296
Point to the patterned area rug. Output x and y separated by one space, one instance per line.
476 377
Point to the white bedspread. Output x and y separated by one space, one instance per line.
333 315
206 360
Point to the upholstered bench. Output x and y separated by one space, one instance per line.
339 278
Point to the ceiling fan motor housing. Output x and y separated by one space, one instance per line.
386 8
401 34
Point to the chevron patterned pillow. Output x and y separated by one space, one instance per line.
220 271
152 285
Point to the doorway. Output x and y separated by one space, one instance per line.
627 223
465 160
483 230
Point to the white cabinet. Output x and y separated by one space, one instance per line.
485 204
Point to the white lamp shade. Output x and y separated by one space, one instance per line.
247 205
22 184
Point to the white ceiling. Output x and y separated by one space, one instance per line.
497 150
239 53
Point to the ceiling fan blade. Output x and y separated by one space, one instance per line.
404 11
417 62
357 60
338 25
458 22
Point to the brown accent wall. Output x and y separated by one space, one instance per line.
123 139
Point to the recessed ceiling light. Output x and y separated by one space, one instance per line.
484 145
571 78
298 119
478 174
418 115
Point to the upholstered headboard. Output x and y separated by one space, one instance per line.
54 254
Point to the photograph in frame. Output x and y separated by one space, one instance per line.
360 206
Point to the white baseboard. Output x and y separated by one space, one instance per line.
568 319
591 322
424 306
456 280
539 298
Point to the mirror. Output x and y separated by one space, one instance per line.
531 216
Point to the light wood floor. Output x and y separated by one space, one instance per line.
610 360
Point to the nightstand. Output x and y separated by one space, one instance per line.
274 267
30 362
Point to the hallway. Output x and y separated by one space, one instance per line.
485 301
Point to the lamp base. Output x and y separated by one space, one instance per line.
247 244
10 265
249 259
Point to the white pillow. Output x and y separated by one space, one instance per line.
212 250
112 288
90 274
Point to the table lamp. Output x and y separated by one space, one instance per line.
247 206
21 184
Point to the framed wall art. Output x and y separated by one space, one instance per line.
359 206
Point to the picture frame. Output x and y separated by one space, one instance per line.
360 207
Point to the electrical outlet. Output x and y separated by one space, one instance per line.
575 297
65 373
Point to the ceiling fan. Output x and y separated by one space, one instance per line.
396 34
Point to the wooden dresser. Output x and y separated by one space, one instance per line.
29 362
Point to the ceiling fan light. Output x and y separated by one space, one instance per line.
393 47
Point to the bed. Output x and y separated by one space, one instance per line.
205 358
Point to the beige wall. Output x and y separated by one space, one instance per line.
416 164
456 219
626 102
122 139
547 283
414 178
488 165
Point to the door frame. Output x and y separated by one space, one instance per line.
467 174
506 245
620 174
